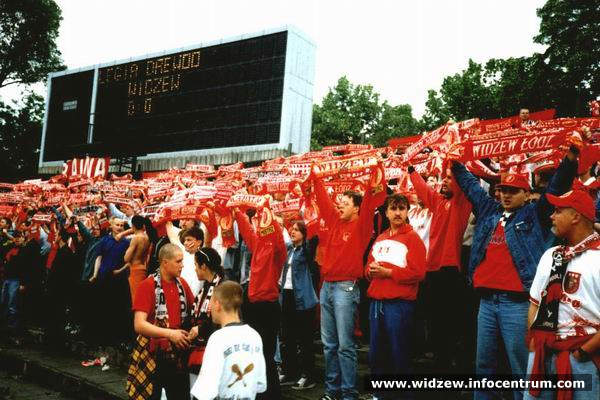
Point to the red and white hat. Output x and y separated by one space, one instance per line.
515 180
578 200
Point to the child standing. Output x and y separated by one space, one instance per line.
233 365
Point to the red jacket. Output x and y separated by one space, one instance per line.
268 256
448 223
346 242
403 252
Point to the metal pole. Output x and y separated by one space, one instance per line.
90 136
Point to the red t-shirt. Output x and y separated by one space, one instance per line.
145 300
448 223
268 256
343 248
497 270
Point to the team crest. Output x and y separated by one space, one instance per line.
226 222
572 282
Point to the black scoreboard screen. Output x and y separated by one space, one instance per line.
224 95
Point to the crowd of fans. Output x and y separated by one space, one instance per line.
465 271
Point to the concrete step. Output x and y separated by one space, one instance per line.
62 371
14 387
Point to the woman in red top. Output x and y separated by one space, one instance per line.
261 309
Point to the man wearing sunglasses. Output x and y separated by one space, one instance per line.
510 237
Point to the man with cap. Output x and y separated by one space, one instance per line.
509 239
564 314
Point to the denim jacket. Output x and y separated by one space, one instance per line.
527 233
304 291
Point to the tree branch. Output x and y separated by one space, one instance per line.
11 83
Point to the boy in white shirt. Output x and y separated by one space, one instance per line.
233 366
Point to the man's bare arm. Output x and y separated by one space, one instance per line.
96 268
141 325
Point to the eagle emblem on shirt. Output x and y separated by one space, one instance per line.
571 283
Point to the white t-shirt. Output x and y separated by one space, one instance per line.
288 284
233 366
188 272
579 308
420 220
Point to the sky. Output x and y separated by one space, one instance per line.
400 47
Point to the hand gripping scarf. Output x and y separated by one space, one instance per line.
139 375
545 325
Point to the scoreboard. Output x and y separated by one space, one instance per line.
209 97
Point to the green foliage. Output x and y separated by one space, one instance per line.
353 114
20 127
566 76
395 121
571 30
28 52
28 32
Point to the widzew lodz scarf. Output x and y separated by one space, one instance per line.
161 318
543 330
201 319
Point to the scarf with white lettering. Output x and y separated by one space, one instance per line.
201 319
161 319
201 309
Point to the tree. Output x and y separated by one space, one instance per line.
436 112
20 127
347 115
522 82
462 96
566 76
395 121
353 114
571 30
28 32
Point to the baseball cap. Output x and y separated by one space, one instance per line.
578 200
515 180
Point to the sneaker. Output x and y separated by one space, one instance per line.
286 380
304 383
327 397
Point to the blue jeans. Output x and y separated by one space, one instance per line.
577 368
339 302
500 316
9 299
391 323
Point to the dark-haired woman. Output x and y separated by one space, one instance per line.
210 274
298 304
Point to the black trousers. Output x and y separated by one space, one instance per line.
264 317
176 383
113 310
297 331
448 309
